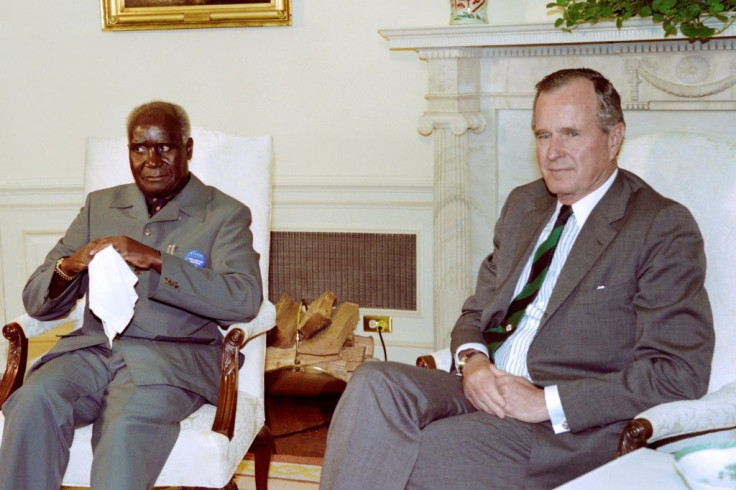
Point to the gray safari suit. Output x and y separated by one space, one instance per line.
211 278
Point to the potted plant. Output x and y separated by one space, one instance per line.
695 19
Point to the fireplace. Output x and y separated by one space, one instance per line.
480 93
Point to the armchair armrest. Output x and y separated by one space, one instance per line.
33 327
265 320
16 361
441 359
674 420
227 401
17 333
236 337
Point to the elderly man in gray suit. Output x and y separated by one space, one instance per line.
165 364
578 322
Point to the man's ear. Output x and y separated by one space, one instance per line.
616 139
190 148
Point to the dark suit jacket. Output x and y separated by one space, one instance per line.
174 337
628 325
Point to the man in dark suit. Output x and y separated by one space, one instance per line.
619 321
166 363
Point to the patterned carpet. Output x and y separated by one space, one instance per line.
286 473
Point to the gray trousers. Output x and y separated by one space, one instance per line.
135 427
397 426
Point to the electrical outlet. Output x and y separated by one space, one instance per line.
372 322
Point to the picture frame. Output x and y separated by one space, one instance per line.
129 15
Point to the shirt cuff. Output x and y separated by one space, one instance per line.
463 347
555 410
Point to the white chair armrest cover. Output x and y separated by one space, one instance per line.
33 327
250 380
716 410
263 322
443 359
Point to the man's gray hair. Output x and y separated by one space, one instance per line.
610 111
174 110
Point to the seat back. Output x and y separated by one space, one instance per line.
700 172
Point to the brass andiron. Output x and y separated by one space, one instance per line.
297 361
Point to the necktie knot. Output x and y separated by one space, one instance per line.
564 215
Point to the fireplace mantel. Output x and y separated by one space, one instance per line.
634 30
480 92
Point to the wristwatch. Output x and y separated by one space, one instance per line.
464 356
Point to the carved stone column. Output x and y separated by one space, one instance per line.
453 102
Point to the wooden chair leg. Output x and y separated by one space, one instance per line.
262 448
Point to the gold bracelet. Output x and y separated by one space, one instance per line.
61 273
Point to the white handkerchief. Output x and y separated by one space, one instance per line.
112 296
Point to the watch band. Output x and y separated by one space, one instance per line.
464 360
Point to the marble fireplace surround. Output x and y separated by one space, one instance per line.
479 98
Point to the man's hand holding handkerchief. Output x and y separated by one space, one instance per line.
112 295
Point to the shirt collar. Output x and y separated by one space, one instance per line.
582 208
189 200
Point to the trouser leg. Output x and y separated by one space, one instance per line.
375 434
136 430
40 419
475 450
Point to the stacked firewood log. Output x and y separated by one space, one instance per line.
318 334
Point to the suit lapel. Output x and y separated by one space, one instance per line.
190 201
593 239
129 198
526 232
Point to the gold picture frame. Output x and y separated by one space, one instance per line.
130 15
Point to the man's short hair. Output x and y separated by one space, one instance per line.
610 112
174 110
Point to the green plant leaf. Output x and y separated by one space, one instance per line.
686 16
664 6
697 31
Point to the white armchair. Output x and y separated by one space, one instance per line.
213 440
700 172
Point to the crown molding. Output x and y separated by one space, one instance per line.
527 35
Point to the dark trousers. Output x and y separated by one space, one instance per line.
135 427
397 426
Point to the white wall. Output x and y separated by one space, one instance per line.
341 106
337 101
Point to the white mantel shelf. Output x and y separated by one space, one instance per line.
461 36
478 75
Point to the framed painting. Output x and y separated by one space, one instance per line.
128 15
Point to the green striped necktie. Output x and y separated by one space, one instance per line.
495 336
